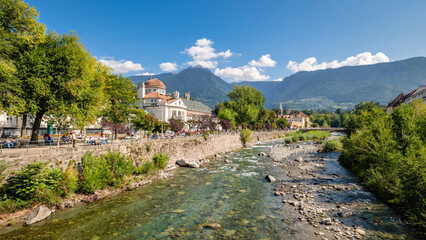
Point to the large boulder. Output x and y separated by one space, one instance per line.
187 163
38 214
182 163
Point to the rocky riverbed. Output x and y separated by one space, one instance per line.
328 199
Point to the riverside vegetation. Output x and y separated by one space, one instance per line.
388 153
38 183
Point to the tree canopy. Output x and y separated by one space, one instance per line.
246 106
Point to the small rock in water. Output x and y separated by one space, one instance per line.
319 233
213 226
299 159
38 214
262 154
270 178
360 231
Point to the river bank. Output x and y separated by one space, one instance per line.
232 194
329 200
198 151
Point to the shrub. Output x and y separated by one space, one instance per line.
333 145
148 146
69 182
95 173
120 166
206 135
146 168
9 205
387 152
245 136
160 160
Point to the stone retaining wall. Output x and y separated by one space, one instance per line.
188 148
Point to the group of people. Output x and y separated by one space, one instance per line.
92 141
11 143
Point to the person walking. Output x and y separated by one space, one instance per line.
73 139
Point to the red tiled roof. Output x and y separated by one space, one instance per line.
154 83
157 95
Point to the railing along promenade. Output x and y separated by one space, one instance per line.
26 146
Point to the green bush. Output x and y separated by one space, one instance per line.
95 173
10 205
206 135
69 182
245 136
333 145
160 160
307 136
388 153
120 166
146 168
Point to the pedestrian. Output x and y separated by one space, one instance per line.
73 139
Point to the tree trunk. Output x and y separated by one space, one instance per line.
36 127
24 125
116 132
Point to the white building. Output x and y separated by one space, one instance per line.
156 101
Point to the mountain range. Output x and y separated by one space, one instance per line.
322 89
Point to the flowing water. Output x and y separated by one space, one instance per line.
235 195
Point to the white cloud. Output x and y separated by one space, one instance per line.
203 54
264 61
311 64
168 66
121 66
278 80
145 74
244 73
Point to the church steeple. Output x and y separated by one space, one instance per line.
280 110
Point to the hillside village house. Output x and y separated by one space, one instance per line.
419 93
294 120
156 101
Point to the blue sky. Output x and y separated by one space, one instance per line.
230 37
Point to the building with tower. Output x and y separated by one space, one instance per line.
155 100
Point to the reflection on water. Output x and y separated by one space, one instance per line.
235 195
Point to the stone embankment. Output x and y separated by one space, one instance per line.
306 188
194 147
186 152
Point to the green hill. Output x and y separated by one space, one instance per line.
323 89
202 84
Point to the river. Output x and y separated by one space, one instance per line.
234 194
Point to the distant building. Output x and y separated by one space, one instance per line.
156 101
419 93
294 120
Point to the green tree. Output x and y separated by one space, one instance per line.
246 106
18 26
59 76
122 96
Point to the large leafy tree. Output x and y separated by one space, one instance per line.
246 106
18 26
59 78
122 96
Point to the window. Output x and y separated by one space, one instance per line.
155 90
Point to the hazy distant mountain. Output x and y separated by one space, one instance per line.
344 87
202 84
323 89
